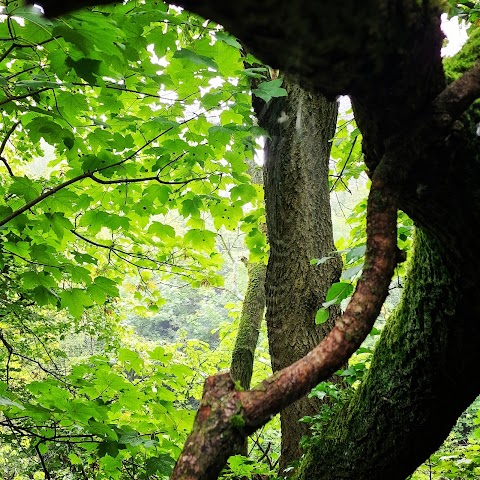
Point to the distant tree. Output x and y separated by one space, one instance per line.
300 128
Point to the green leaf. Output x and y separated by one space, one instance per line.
130 359
74 459
319 261
268 90
21 249
30 280
161 465
321 316
160 355
338 292
161 230
202 60
24 187
245 192
351 272
6 402
32 14
200 239
110 449
75 300
44 296
86 68
355 253
228 39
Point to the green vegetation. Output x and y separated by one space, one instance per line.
125 210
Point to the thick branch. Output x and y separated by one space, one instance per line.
226 416
460 94
308 42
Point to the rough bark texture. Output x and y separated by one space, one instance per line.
297 201
386 55
253 309
412 410
251 317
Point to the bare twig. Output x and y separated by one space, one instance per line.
42 461
8 134
25 95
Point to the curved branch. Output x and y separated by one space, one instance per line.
11 352
145 179
84 175
8 134
460 94
43 196
226 416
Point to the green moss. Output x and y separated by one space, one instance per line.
237 421
372 430
458 64
455 66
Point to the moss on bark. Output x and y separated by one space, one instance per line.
409 400
247 336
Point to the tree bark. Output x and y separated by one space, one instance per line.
419 382
297 200
423 157
251 317
253 310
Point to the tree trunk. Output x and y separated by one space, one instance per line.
253 309
251 317
299 228
419 382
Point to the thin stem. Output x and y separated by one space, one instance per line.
339 176
4 144
21 97
145 179
7 52
42 461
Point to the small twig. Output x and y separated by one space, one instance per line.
339 176
145 179
6 53
8 134
11 351
42 461
25 95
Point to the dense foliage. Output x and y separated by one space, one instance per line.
124 135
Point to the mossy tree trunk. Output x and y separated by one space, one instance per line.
253 309
299 227
420 379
